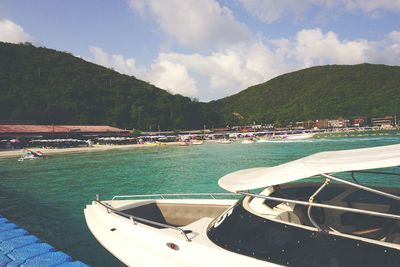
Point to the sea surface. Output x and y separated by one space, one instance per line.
47 197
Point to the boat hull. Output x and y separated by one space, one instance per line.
143 245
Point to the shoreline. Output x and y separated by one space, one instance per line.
95 148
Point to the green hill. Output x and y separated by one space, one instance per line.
317 93
52 87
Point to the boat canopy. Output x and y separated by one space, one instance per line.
316 164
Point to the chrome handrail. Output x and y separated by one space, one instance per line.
135 219
366 188
163 196
304 203
311 200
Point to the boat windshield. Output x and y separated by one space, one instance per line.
336 205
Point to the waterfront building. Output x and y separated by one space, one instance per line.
16 136
358 122
322 124
383 122
338 123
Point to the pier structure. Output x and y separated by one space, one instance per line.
19 248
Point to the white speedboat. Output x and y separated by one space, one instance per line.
299 136
31 155
197 142
248 141
335 221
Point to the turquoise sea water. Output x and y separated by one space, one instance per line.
47 197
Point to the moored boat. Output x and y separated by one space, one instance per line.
28 154
197 142
299 136
334 221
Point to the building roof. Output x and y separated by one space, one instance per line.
8 128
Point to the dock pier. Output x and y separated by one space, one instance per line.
19 248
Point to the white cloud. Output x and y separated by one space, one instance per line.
271 10
174 77
394 36
312 47
386 51
168 75
11 32
231 69
117 62
193 23
372 5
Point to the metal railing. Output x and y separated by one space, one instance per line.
165 196
304 203
329 177
135 220
309 204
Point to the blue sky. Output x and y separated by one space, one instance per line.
209 49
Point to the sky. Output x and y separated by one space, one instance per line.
209 49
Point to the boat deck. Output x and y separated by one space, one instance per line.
19 248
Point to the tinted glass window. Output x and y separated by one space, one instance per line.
244 233
362 196
305 192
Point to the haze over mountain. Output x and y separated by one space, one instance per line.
52 87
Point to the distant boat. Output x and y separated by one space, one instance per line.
150 143
248 141
31 155
300 136
225 141
197 142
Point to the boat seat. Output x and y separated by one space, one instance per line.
175 214
282 211
149 212
184 214
368 226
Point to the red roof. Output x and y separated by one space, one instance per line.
9 128
92 129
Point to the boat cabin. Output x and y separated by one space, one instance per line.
337 221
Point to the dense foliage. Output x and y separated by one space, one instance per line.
318 93
51 87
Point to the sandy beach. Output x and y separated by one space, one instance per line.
95 148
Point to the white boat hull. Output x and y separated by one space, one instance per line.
299 136
142 245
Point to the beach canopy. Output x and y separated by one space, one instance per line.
316 164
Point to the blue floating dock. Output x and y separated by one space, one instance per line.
19 248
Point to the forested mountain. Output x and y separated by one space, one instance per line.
316 93
51 87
